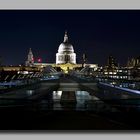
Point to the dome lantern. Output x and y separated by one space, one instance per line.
65 37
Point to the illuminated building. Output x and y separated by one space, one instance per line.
30 59
123 76
112 71
65 52
134 62
66 58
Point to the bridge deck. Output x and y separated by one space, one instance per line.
41 114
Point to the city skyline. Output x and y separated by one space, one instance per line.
69 70
97 33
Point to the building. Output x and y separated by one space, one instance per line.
65 58
126 76
112 62
134 62
65 52
30 59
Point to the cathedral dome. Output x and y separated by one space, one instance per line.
65 52
65 47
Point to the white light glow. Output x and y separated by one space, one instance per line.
57 95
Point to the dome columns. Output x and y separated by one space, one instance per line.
65 58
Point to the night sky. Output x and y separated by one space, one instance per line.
98 33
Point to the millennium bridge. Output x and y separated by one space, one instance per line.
44 99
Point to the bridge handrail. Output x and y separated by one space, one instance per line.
125 89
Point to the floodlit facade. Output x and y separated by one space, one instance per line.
65 58
30 59
65 52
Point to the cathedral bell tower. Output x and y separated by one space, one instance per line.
30 59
